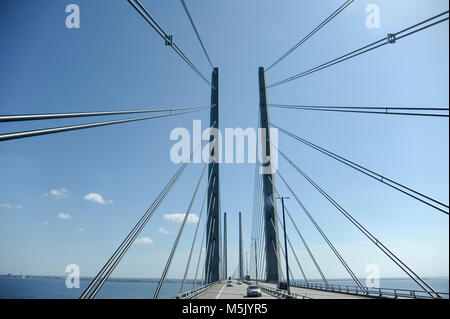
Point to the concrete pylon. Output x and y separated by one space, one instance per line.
270 207
213 270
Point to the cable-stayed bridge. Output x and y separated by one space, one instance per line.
270 260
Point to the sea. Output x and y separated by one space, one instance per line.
55 288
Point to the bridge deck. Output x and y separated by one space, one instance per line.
220 291
318 294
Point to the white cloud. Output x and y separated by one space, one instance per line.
97 198
46 223
80 229
10 206
163 231
58 193
178 218
144 241
64 216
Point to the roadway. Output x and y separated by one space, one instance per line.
318 294
221 291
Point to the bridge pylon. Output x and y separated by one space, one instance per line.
213 271
272 248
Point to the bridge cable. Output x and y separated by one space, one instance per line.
25 134
292 247
201 245
196 230
364 110
261 231
209 250
262 235
177 240
167 38
194 285
198 223
133 234
284 254
369 235
51 116
302 239
341 259
111 264
277 239
387 181
391 38
255 192
204 264
203 282
196 32
307 248
280 270
255 219
116 262
320 26
210 253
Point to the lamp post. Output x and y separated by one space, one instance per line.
246 261
256 262
285 246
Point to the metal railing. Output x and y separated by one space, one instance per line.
194 292
282 293
394 293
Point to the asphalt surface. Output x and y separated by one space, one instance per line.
319 294
221 291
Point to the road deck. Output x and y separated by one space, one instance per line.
220 291
318 294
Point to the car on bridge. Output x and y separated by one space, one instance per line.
254 291
229 283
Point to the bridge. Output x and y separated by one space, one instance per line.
272 252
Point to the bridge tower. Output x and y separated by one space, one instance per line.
272 248
213 240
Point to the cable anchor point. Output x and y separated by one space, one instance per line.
391 37
169 40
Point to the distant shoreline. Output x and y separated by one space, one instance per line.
153 280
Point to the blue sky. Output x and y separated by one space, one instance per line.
115 61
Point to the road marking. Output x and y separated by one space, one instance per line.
220 292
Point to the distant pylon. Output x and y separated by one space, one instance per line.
241 250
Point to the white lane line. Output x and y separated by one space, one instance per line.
220 292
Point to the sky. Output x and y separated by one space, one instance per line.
71 198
